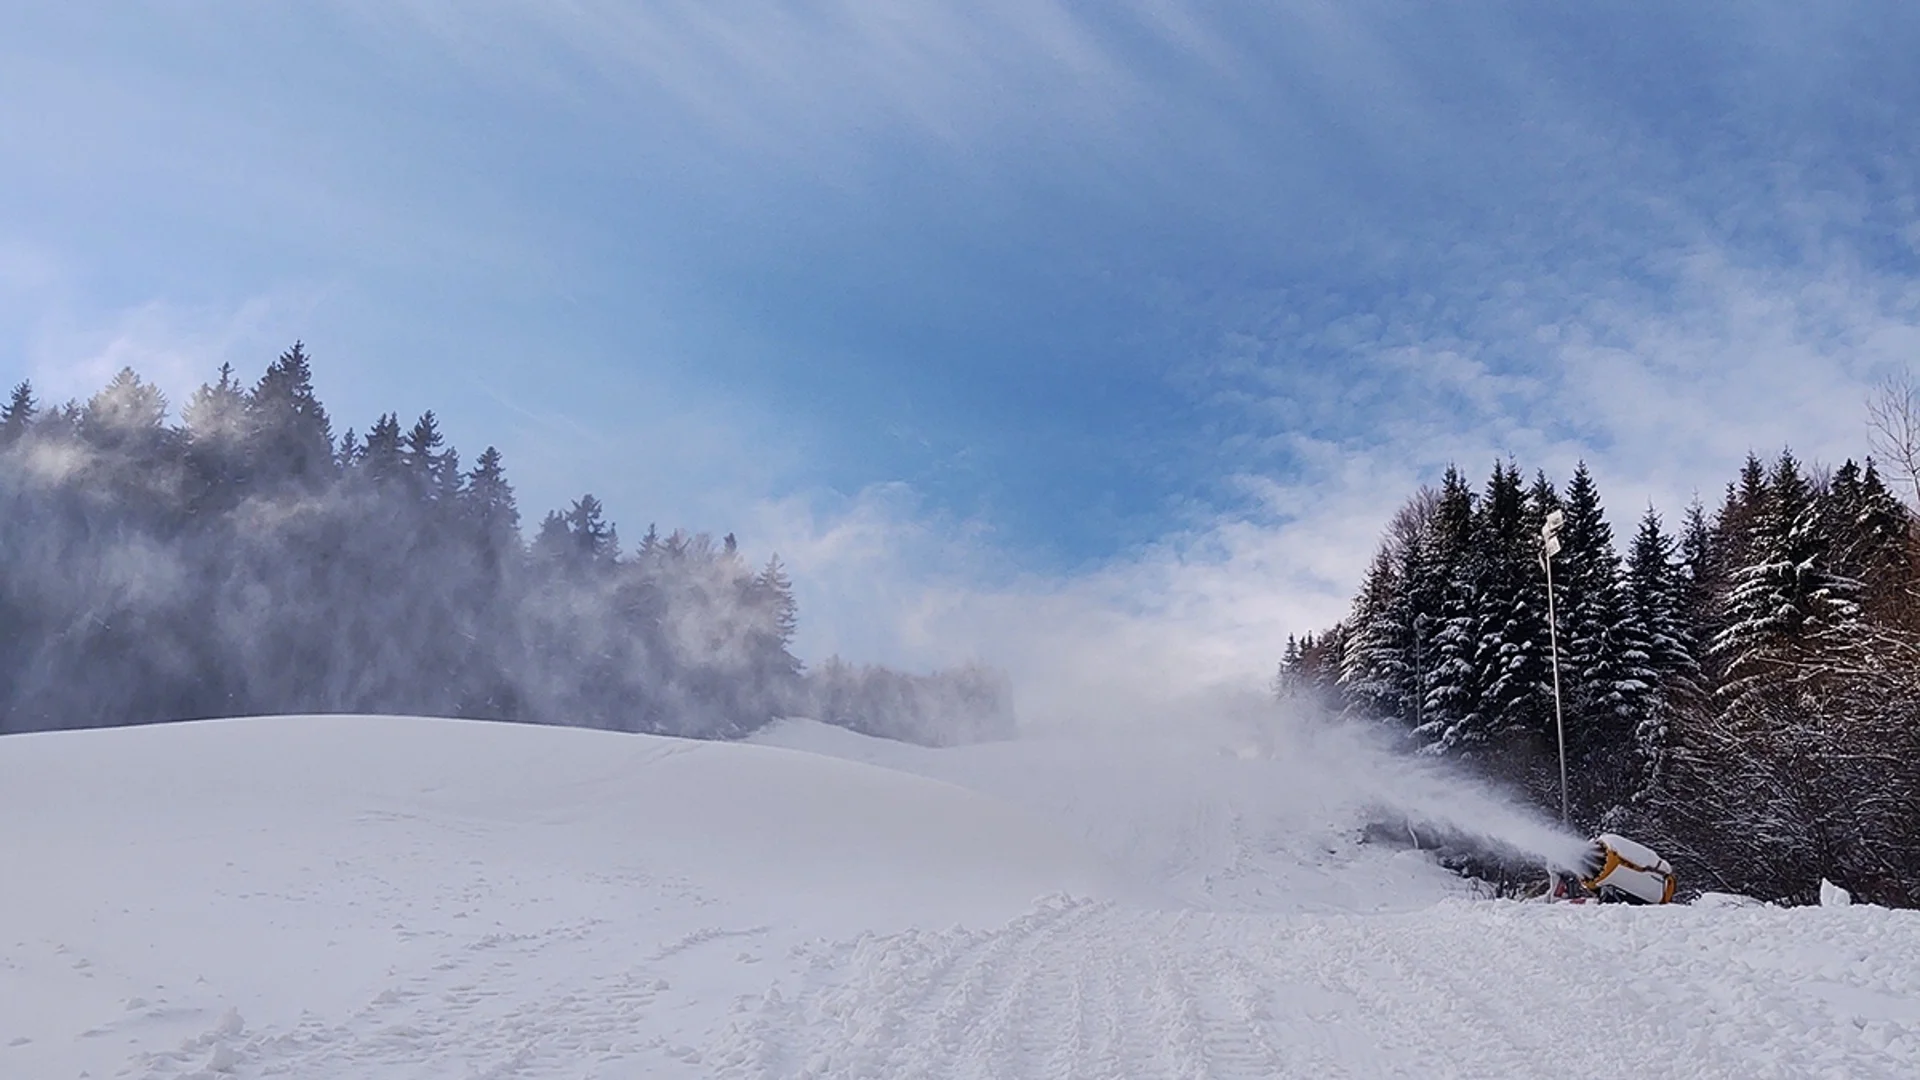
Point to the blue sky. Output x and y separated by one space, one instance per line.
1017 327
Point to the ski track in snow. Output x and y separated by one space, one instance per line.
1098 990
489 946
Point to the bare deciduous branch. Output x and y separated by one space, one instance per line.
1893 426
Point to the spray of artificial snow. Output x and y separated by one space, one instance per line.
1353 765
1337 776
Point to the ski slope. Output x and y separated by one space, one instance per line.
389 897
1216 823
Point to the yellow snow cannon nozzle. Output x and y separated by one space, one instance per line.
1631 870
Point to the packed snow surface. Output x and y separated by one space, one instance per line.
401 898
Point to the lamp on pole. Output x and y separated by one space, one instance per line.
1549 547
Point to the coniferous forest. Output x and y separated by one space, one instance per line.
245 561
1741 691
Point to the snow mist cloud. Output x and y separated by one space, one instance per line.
1176 645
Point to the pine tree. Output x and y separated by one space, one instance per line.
490 506
383 458
773 583
1660 649
1286 678
216 430
650 547
1384 669
595 541
217 412
1413 558
1374 673
772 676
1603 698
292 440
432 473
1783 594
1313 675
1511 655
1533 693
1589 575
553 543
128 412
1746 501
1702 576
1323 664
1445 595
347 457
1866 529
1656 597
17 415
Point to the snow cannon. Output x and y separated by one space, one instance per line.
1621 870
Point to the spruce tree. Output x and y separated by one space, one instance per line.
1659 645
1413 561
1866 530
1508 656
290 437
553 544
17 415
1446 590
433 474
347 457
490 508
595 541
1374 672
776 588
217 412
215 421
650 545
1736 523
1324 664
1603 701
1783 594
1702 576
1286 678
129 413
1532 693
383 458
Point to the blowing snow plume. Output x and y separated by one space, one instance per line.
1441 804
1351 770
1137 688
1152 679
1228 803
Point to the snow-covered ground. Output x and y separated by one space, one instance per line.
383 897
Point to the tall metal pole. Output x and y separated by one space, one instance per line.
1550 544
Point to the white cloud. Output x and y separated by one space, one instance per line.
1132 640
1742 358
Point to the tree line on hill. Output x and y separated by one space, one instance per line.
1742 693
246 562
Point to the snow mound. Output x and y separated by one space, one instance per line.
159 878
722 811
